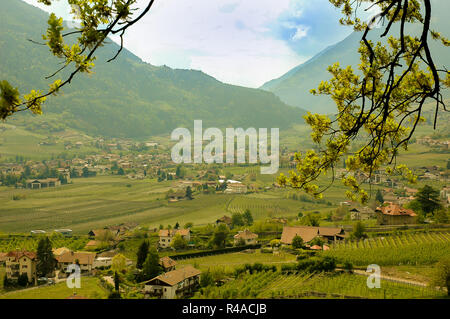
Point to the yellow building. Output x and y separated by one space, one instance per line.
21 262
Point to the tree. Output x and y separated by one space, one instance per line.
311 220
46 261
120 171
220 236
179 242
359 231
180 172
441 216
297 242
237 220
383 102
248 218
119 263
188 225
379 197
442 274
23 280
151 267
177 226
116 281
428 199
189 192
142 254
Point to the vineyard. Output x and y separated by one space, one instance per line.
11 243
268 207
278 285
406 249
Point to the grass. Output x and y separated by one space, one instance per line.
90 288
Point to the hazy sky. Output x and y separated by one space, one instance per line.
243 42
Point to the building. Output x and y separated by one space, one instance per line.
236 188
308 233
166 236
224 220
102 262
167 263
42 183
245 236
60 251
174 284
393 214
364 213
84 259
21 262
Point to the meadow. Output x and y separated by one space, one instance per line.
90 289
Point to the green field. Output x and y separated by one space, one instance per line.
96 202
278 285
90 288
228 261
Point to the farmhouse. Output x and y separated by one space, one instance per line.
42 183
174 284
21 262
364 213
245 236
308 233
166 236
224 220
167 263
84 259
395 215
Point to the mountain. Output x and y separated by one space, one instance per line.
293 87
127 97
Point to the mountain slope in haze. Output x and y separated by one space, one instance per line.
294 87
127 97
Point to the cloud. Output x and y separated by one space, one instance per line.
243 42
302 32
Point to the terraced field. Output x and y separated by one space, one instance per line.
278 285
407 249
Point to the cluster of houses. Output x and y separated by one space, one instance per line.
18 263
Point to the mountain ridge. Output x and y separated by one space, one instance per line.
128 97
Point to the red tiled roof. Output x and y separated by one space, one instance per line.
20 254
308 233
396 210
173 232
